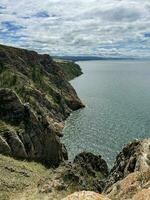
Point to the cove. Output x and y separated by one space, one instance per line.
117 99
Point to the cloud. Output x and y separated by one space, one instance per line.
73 27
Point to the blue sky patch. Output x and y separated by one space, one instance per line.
42 14
25 17
11 26
147 35
2 7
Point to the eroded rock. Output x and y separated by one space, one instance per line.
130 176
35 99
127 161
24 135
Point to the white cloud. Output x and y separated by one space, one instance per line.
95 27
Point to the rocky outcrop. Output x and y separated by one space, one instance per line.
130 176
129 179
126 162
35 99
87 172
23 135
92 163
134 187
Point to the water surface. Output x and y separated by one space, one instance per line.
117 98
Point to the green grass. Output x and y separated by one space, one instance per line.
20 180
70 69
25 86
19 176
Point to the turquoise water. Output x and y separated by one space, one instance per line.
117 98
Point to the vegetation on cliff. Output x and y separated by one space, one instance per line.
35 99
71 70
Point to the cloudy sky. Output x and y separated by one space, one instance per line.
77 27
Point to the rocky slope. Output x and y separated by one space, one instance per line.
35 99
127 180
32 181
130 175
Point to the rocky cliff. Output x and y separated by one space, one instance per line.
129 178
35 99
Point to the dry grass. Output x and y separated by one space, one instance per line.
19 180
19 176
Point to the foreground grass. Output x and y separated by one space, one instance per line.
22 180
18 176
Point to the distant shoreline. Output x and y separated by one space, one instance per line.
92 58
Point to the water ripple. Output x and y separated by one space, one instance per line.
117 98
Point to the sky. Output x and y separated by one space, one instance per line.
109 28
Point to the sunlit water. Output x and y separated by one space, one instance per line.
117 98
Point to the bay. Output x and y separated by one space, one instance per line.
117 99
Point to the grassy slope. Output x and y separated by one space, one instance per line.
19 180
71 70
16 176
22 180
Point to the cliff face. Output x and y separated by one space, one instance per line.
70 69
130 175
129 179
35 99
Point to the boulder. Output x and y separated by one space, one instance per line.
92 163
87 172
86 195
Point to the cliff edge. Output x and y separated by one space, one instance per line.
35 99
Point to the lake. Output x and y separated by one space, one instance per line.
117 98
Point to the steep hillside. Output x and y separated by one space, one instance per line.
129 179
32 181
35 99
70 69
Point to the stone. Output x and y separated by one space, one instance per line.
86 195
92 163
